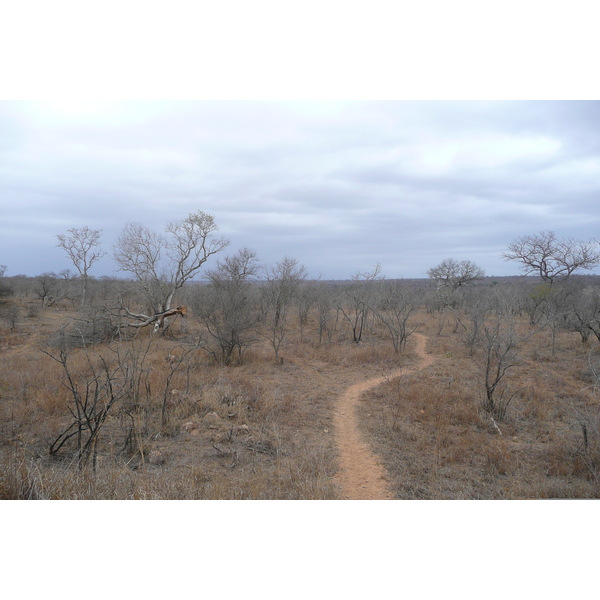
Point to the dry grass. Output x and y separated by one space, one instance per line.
438 443
261 430
264 430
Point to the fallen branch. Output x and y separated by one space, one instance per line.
158 318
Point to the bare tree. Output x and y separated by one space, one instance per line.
393 307
162 264
475 319
51 288
357 300
93 398
552 258
499 345
279 291
82 247
305 300
584 312
452 274
325 305
227 307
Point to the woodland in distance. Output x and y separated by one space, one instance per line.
204 374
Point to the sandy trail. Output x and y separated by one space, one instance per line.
361 475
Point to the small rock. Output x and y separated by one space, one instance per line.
212 419
242 430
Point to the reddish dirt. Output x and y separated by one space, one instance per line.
361 475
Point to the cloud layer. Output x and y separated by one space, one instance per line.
338 185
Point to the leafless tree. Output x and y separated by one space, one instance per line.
452 274
393 307
584 312
552 258
282 282
475 319
50 288
499 345
162 264
305 300
499 354
93 397
325 304
356 300
227 307
83 248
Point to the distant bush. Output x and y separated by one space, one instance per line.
94 329
5 290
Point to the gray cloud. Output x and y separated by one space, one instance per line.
337 185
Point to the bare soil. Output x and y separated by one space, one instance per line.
361 475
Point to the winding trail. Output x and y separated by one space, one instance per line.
361 475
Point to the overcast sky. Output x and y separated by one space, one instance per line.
338 185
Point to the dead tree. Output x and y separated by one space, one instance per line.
138 320
162 264
93 397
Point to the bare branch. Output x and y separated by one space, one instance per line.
82 247
163 264
454 274
552 258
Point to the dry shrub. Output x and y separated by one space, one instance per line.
94 328
269 438
575 450
264 443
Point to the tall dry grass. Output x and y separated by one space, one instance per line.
263 429
437 442
238 432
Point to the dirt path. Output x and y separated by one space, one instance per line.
361 475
